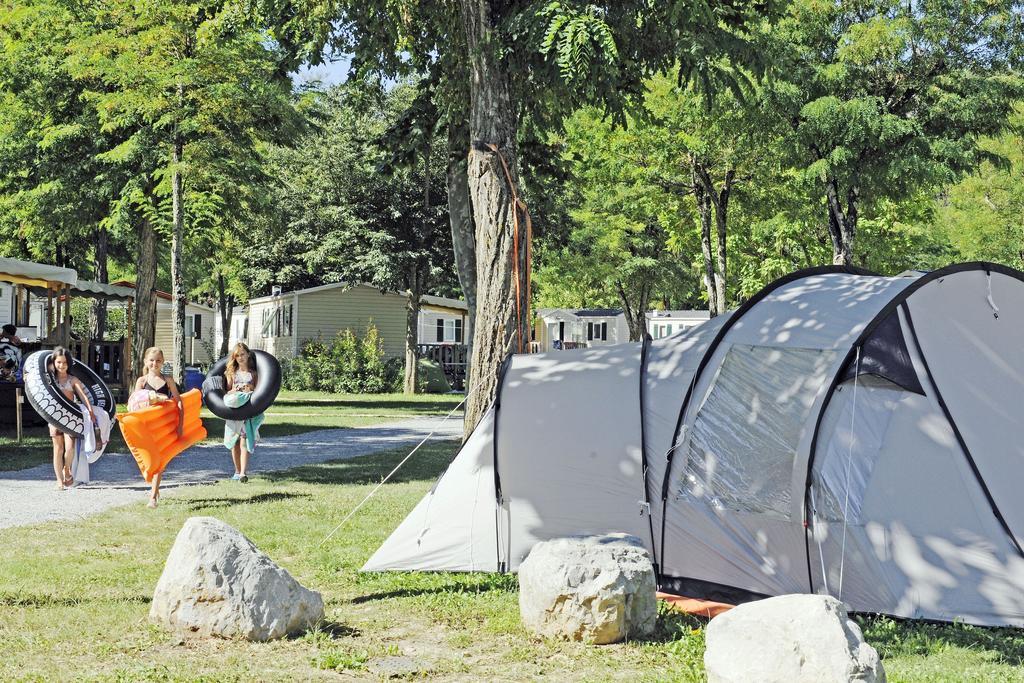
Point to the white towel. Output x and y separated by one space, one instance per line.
87 450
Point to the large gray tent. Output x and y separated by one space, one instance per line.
841 432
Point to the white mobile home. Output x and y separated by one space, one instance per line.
199 329
664 323
567 328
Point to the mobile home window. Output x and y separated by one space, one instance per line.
264 322
590 331
288 311
189 329
197 326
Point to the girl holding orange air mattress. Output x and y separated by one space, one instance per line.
162 423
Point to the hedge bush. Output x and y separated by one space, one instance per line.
346 364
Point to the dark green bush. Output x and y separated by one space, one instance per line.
348 364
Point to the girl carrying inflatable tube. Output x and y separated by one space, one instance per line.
240 436
64 444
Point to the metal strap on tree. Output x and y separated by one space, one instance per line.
517 205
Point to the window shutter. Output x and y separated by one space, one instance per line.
197 326
590 331
458 331
604 331
440 329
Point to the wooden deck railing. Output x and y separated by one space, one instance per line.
106 358
451 357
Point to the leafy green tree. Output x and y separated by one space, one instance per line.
884 99
982 215
621 248
529 64
367 218
190 86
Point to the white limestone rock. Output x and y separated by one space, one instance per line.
217 583
789 639
593 588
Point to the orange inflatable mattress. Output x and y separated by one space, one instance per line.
151 433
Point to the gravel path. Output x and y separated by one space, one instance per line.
29 496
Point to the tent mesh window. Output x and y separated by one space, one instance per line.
744 440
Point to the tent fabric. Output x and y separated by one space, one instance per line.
35 274
885 355
840 433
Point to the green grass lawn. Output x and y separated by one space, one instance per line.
78 594
294 412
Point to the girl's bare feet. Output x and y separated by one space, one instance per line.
61 486
152 500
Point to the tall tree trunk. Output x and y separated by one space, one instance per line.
636 313
502 322
98 310
460 214
842 225
721 202
177 277
412 318
144 332
704 213
224 308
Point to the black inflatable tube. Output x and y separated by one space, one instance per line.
268 384
51 403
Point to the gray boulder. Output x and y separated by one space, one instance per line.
789 639
217 583
594 588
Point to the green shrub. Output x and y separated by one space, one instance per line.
371 355
347 364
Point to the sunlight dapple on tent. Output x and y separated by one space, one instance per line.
840 433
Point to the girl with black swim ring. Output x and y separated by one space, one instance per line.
163 385
70 386
240 436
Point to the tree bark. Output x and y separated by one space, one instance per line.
718 200
98 310
721 201
177 277
412 317
224 307
842 225
704 213
144 332
502 321
460 214
636 315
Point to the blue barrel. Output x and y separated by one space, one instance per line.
193 379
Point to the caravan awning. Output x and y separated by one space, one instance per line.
36 274
100 290
39 278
